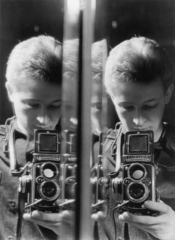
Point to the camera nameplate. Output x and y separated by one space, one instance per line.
47 157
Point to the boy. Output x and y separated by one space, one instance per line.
34 73
138 80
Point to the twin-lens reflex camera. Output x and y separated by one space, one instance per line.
49 181
136 181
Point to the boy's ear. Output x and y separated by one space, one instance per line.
168 93
10 91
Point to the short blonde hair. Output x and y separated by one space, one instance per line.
39 58
140 60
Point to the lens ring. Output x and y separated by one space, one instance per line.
53 191
139 170
53 170
143 188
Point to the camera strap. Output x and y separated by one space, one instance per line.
119 149
116 145
12 155
9 141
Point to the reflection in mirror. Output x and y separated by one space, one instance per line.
76 115
29 162
98 117
126 19
69 117
19 21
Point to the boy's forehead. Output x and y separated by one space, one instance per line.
33 83
39 90
133 90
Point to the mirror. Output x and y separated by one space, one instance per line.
122 20
112 22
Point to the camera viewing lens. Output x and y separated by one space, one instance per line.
49 170
137 171
137 192
49 191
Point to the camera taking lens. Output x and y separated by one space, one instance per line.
137 192
49 190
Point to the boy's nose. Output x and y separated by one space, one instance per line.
43 117
139 120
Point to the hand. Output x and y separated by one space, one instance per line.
100 214
161 226
51 221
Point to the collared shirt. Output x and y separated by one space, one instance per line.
165 158
11 201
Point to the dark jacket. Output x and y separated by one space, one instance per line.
11 200
164 152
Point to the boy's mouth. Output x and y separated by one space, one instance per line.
141 129
43 128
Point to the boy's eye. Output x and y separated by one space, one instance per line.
150 106
54 106
33 105
128 107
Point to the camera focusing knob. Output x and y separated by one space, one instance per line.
104 181
23 181
117 185
127 181
70 180
39 179
146 181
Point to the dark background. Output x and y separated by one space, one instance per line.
123 19
116 20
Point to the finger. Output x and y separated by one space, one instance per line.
64 216
132 218
98 216
149 229
51 217
157 206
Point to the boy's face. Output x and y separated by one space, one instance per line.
140 106
36 105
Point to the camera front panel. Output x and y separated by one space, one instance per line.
138 183
45 185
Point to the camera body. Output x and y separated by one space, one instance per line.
49 179
137 180
99 182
